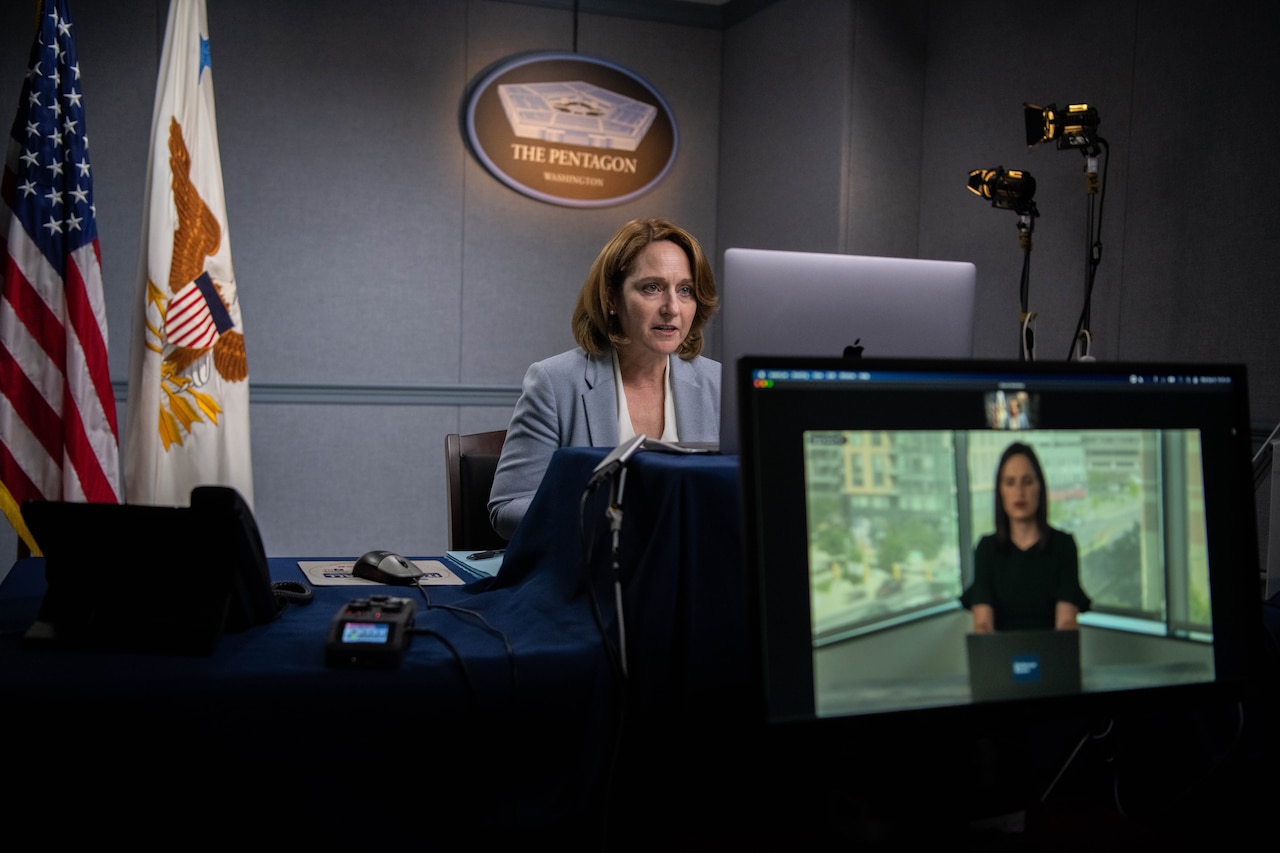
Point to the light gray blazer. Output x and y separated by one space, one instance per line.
569 400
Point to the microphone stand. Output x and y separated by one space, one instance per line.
617 484
613 468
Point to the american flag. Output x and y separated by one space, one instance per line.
58 437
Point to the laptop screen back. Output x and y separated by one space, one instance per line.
807 303
867 488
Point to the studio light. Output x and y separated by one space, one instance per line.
1075 127
1014 190
1008 190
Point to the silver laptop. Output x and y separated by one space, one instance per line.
807 303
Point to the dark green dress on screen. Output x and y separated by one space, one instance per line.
1024 587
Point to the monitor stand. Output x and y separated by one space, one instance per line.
1272 556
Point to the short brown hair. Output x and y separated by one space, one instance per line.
595 329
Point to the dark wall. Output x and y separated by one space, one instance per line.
852 127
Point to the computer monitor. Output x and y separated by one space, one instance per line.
867 486
810 303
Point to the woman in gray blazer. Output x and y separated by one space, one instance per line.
637 370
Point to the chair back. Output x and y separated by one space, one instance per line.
470 463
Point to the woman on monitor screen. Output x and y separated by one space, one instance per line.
1026 574
636 370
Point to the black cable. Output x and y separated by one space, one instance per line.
514 697
462 667
506 643
586 539
1089 735
1179 793
1026 336
611 771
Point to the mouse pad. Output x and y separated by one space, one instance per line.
338 573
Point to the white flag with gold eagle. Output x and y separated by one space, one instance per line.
188 378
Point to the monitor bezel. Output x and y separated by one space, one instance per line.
776 623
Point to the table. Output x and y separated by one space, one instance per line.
263 728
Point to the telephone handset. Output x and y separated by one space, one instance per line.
254 599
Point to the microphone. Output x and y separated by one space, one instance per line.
615 460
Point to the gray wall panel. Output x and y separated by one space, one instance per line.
481 419
1202 244
784 122
119 52
683 63
886 141
524 264
341 158
337 481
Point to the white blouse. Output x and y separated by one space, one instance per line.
625 428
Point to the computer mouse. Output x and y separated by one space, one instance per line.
386 567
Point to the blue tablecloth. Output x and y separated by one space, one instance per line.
680 561
531 745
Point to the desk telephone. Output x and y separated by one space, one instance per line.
206 559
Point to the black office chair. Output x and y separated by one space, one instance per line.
470 463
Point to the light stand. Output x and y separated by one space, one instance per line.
1264 468
1014 190
1093 248
1076 128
